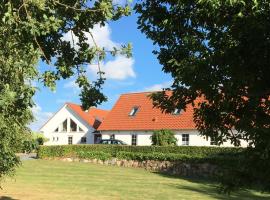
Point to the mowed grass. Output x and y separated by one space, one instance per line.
43 179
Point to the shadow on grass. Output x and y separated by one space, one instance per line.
6 198
210 188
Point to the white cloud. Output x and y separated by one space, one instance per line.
101 35
72 85
118 69
158 87
120 2
62 101
40 118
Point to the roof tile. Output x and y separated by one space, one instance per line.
147 117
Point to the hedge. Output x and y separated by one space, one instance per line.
171 153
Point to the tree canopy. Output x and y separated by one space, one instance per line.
33 30
218 51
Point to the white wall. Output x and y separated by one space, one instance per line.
64 113
143 137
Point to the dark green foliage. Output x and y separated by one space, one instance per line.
32 31
94 155
29 146
163 138
75 150
217 51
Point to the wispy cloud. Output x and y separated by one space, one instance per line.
120 68
101 35
73 86
158 87
40 118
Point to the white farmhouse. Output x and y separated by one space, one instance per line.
133 120
72 125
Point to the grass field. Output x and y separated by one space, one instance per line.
41 179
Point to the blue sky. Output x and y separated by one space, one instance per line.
140 73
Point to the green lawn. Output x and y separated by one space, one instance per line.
41 179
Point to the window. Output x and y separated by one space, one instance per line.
134 111
134 139
70 140
83 140
57 138
64 128
80 129
56 130
176 111
53 139
112 137
73 126
213 141
185 139
97 138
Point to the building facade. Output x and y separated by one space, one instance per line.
133 120
72 125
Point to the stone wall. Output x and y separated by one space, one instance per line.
205 170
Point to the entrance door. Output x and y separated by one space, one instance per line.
97 138
70 140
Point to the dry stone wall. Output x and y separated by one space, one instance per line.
205 170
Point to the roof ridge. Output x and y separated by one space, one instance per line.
127 93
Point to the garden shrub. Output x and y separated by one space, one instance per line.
163 138
141 152
94 155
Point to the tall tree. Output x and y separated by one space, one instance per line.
218 50
33 30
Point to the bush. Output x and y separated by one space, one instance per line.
139 152
29 146
163 138
94 155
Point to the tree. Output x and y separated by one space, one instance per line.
218 51
33 30
163 138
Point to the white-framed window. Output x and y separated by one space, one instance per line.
73 126
56 130
185 139
134 139
112 137
83 140
70 140
64 126
213 141
133 111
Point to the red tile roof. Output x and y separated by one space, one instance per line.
147 117
93 116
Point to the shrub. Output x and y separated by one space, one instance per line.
138 152
163 138
94 155
29 146
40 139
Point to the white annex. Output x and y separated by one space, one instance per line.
72 125
132 120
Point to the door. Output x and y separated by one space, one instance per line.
97 138
70 140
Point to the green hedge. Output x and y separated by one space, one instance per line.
172 153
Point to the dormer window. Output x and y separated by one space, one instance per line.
176 111
133 111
